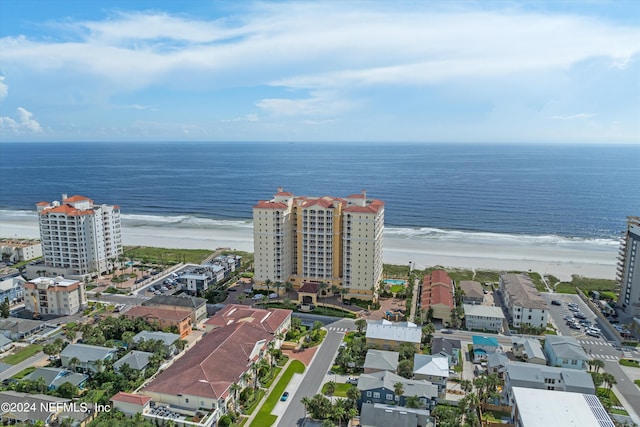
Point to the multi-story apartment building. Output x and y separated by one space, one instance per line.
57 296
79 238
20 250
629 268
336 241
524 303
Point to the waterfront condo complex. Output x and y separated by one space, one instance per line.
79 238
330 240
629 268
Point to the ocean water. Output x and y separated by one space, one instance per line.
528 193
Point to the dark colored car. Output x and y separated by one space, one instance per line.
555 302
346 302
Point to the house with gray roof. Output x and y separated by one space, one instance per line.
496 363
434 369
520 374
168 339
565 352
47 409
386 335
473 292
381 360
528 350
483 317
90 358
136 360
448 347
17 329
379 387
55 377
525 305
381 415
5 343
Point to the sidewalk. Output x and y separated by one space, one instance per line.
268 392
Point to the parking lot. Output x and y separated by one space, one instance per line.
581 313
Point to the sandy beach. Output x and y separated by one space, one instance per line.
562 259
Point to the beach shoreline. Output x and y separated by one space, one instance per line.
561 259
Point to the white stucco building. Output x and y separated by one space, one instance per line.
337 241
55 296
523 301
483 317
78 237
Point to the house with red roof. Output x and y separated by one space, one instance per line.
131 404
436 293
163 318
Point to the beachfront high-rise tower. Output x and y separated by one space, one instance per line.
330 240
629 268
79 238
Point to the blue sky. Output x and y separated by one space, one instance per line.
460 71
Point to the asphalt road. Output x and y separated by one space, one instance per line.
295 413
32 361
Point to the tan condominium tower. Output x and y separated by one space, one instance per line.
330 240
79 238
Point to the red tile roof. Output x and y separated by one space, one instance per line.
269 320
209 368
437 288
440 276
309 288
135 399
67 209
42 204
76 198
373 207
159 313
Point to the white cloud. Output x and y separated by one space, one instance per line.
580 116
4 89
25 124
320 103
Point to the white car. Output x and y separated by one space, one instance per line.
273 296
593 333
257 297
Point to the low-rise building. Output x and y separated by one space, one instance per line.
196 284
380 387
534 408
381 415
482 346
86 358
47 410
447 347
274 321
131 404
381 360
57 296
434 369
136 360
483 317
168 339
525 305
529 350
565 352
520 374
55 377
436 294
5 343
196 306
20 250
163 318
386 335
17 329
12 289
473 293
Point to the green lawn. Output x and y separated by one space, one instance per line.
586 285
274 373
20 375
23 354
263 417
397 288
249 409
341 389
637 382
630 362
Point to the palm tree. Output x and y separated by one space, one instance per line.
268 283
235 389
353 394
330 388
278 286
609 380
74 362
427 333
466 386
398 390
245 377
361 324
598 364
254 370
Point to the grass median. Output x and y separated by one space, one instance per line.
263 417
22 355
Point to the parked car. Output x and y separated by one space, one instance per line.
580 315
574 325
284 396
273 296
556 302
593 333
346 302
352 380
257 297
568 317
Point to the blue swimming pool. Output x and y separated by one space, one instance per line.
394 282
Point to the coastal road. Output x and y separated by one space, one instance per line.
32 361
315 373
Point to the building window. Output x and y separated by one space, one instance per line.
389 396
376 395
368 394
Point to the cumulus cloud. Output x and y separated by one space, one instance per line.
24 124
